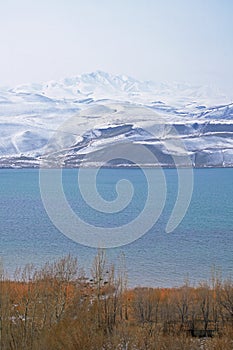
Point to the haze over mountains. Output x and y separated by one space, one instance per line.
78 121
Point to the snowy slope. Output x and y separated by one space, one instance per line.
94 112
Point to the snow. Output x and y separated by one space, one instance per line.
96 110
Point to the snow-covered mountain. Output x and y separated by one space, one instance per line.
75 120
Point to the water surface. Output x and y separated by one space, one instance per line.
201 241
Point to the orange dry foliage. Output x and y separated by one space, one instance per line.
56 312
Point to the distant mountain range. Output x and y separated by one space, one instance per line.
78 121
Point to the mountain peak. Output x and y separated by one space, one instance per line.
103 85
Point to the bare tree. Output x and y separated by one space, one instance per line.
226 299
204 293
182 300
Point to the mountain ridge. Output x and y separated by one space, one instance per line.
30 115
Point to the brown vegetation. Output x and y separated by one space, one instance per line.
57 307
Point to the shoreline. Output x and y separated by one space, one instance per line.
140 166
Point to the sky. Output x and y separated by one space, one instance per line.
161 40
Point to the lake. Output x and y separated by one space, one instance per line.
201 241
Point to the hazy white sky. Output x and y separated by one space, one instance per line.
161 40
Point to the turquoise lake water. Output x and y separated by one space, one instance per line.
203 239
